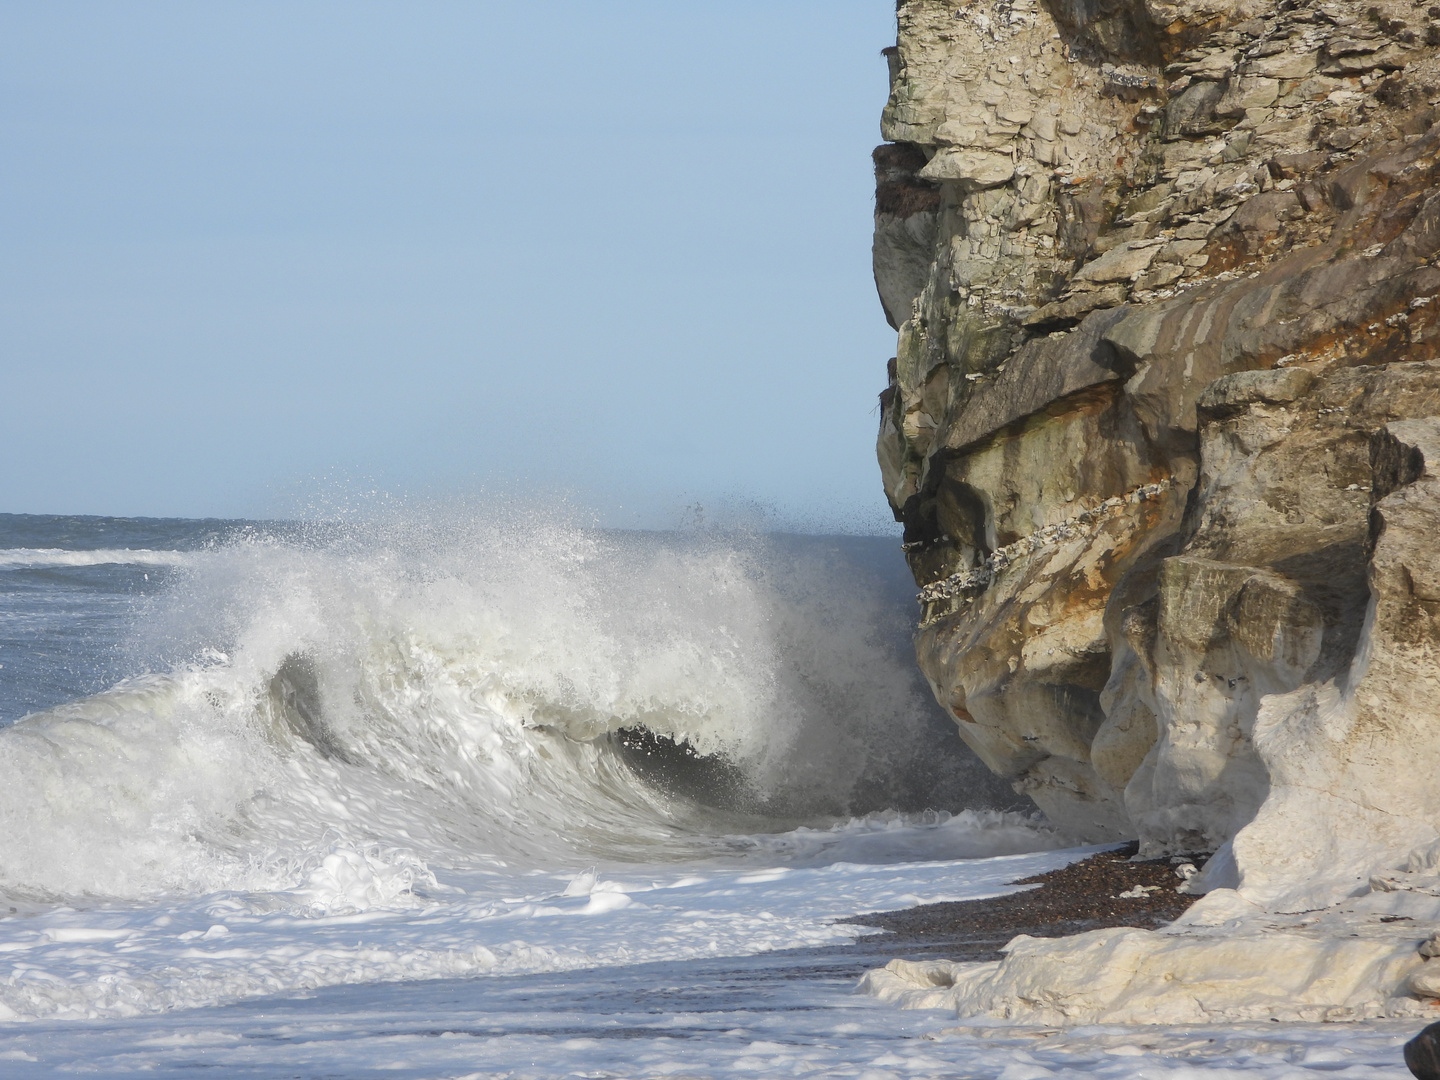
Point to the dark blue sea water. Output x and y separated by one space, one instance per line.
65 610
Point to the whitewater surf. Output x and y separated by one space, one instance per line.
470 738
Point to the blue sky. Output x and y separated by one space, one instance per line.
612 252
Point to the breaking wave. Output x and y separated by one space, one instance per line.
332 716
36 558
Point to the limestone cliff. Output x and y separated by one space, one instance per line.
1160 421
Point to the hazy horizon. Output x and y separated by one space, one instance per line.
259 256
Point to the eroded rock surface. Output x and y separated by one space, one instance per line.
1160 421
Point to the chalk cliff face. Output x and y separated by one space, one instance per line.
1161 424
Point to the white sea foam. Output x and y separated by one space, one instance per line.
671 1020
347 923
39 558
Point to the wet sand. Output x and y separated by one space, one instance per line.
1082 896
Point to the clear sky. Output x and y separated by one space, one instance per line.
616 251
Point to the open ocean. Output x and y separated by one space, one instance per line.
456 795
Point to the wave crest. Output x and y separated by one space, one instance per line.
451 691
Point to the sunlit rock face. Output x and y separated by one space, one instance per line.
1162 278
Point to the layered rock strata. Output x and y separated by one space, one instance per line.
1162 274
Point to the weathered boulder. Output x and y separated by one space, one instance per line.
1422 1053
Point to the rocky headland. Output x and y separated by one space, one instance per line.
1163 428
